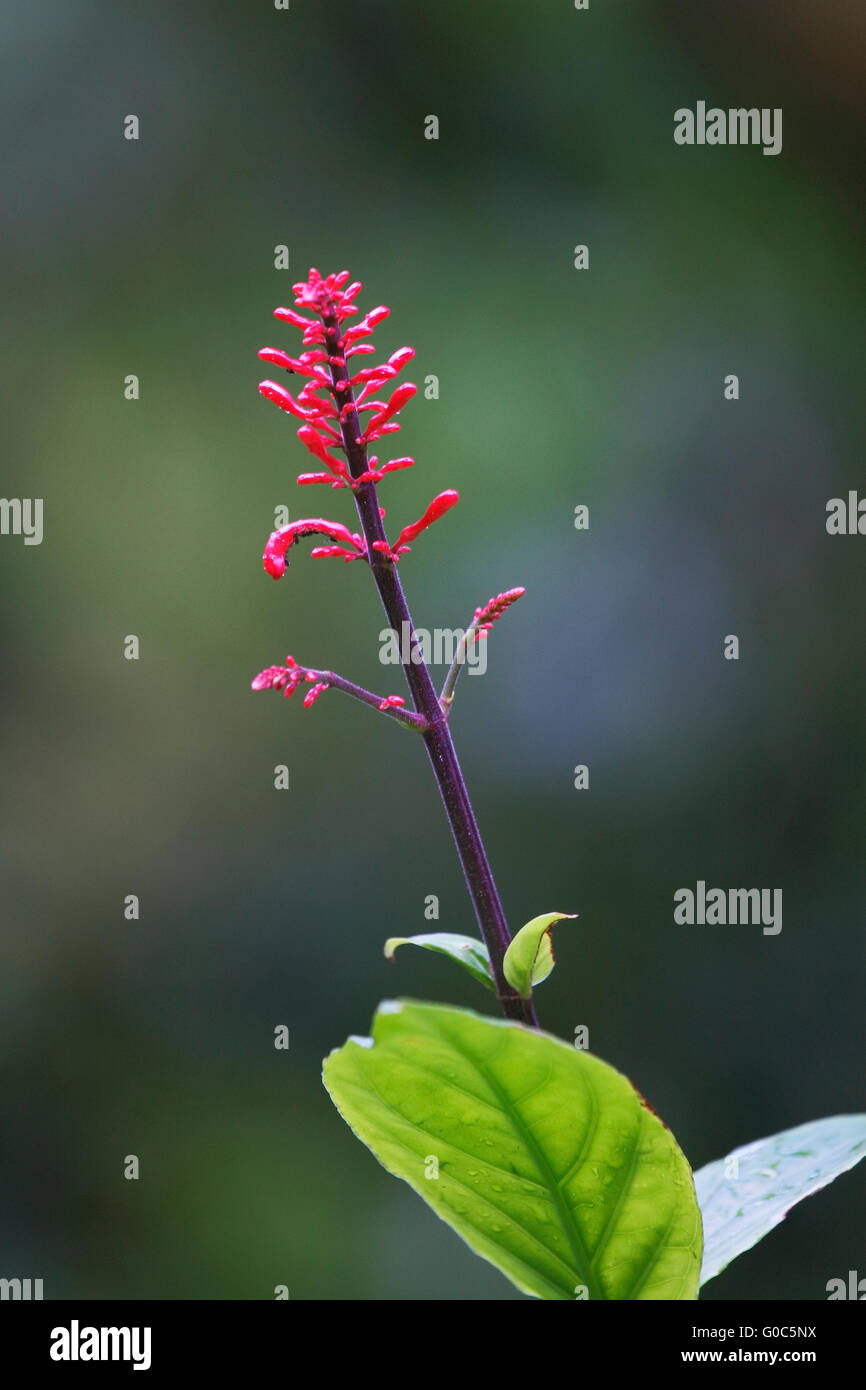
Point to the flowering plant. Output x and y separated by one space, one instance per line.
542 1157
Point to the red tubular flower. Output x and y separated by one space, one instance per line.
305 479
335 550
438 507
290 316
376 472
366 324
272 391
279 542
403 394
305 365
317 447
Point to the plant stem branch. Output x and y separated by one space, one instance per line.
437 736
403 716
446 697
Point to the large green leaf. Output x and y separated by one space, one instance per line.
745 1195
466 950
549 1164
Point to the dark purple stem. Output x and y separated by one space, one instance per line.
437 735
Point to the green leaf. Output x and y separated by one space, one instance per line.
468 952
772 1176
549 1164
529 958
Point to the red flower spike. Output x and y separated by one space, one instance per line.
279 542
285 678
332 298
494 608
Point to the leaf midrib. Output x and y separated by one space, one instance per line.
579 1252
507 1216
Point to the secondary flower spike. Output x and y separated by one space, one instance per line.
287 679
494 608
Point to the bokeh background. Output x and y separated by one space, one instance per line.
557 387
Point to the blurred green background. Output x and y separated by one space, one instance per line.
557 387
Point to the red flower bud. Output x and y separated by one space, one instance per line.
317 447
285 678
304 479
312 695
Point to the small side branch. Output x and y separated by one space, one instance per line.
446 698
385 704
476 632
287 679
